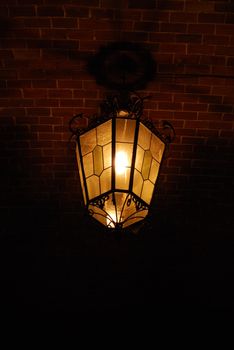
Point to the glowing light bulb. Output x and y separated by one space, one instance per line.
121 163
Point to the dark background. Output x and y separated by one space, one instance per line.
53 258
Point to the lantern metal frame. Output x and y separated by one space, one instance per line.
132 105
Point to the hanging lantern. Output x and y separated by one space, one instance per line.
119 157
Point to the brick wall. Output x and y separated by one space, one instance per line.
44 46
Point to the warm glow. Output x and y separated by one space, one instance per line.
121 163
112 214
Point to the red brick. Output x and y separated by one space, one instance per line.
138 4
102 13
193 140
169 106
196 124
76 11
201 28
170 5
162 37
201 49
197 89
185 115
215 60
195 107
37 22
64 23
35 93
189 38
225 50
146 26
177 48
220 125
71 103
198 6
209 116
183 17
216 39
159 16
50 11
225 29
220 108
39 111
22 11
211 18
173 27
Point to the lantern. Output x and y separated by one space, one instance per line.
119 157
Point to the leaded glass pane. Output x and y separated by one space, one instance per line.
88 164
104 133
88 141
98 160
80 173
107 155
146 164
125 130
93 186
139 158
137 183
154 171
157 148
105 180
147 191
144 137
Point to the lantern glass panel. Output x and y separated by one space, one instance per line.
105 180
98 160
125 130
104 133
147 191
144 137
80 173
157 148
88 141
154 171
146 165
137 183
139 158
93 186
88 164
107 155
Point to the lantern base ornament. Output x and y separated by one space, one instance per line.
119 156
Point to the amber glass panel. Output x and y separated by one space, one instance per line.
139 158
146 165
125 130
93 186
147 191
105 180
154 171
80 173
88 164
137 183
104 133
107 155
122 181
137 216
98 160
157 148
88 141
98 214
144 137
